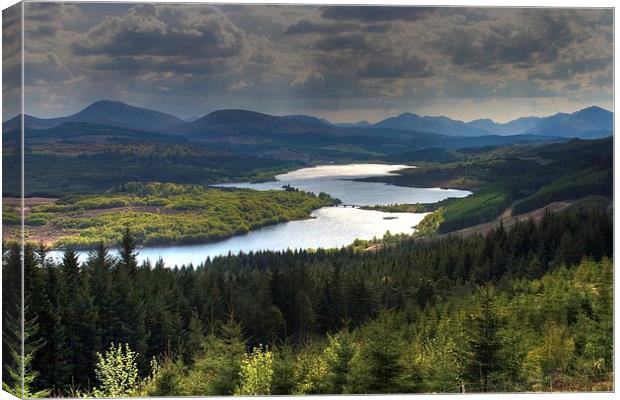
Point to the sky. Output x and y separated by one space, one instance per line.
343 63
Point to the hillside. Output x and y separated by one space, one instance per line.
523 178
105 112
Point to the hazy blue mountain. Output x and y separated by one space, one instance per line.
192 118
514 127
29 120
112 113
358 124
245 122
484 124
439 125
309 119
591 122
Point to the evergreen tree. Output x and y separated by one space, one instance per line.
20 380
377 366
99 267
216 369
196 334
78 317
485 344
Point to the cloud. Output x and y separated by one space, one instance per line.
304 26
573 67
353 42
309 80
159 30
192 58
392 67
526 38
376 14
457 88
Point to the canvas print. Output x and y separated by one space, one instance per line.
231 199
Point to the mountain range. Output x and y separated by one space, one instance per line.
75 152
591 122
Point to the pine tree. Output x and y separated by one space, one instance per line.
11 302
130 306
377 366
196 334
216 369
20 380
485 344
338 354
99 267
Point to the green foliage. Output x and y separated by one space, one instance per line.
10 215
165 213
256 373
338 354
475 209
378 365
21 377
217 367
484 344
166 378
592 181
117 372
310 372
430 224
398 208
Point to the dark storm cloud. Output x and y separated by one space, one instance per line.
344 42
538 38
398 67
304 26
329 85
137 65
150 30
11 61
566 70
376 14
377 28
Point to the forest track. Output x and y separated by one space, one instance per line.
509 220
506 218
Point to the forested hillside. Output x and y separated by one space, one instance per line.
515 179
524 309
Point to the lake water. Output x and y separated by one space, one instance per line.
329 227
338 181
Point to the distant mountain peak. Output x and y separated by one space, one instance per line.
106 102
593 111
